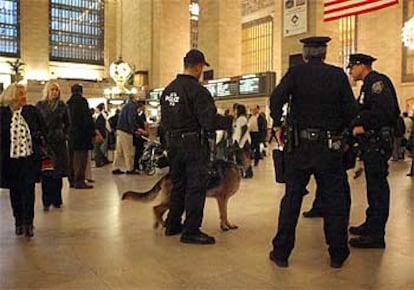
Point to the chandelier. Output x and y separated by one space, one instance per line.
408 34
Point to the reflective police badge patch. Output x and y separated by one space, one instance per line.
377 87
172 99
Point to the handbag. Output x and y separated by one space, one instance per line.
98 138
279 164
47 164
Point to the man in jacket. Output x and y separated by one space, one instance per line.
80 137
188 113
373 126
322 106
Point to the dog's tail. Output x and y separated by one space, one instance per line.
147 195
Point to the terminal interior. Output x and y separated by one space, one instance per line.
118 48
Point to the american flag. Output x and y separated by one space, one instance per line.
335 9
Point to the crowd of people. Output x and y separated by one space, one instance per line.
53 140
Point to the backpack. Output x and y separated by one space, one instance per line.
399 128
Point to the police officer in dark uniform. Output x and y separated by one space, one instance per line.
322 105
188 114
373 126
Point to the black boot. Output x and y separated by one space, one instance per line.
28 231
368 242
359 230
19 230
313 213
248 173
283 263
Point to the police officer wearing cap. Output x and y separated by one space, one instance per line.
188 112
322 105
373 127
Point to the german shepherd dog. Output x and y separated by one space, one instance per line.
222 186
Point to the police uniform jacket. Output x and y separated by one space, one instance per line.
321 97
187 106
378 103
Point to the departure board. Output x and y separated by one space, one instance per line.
249 86
227 88
245 86
156 94
212 88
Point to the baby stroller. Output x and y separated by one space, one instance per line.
153 157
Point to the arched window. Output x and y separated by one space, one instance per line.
9 28
347 38
77 31
257 45
194 14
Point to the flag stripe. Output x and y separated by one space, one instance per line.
356 5
341 8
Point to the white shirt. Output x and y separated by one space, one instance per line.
237 131
20 138
408 127
253 124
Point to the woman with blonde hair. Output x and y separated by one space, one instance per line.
56 115
22 134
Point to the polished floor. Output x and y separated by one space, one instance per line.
97 241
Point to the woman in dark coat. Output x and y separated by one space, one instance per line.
22 133
56 116
410 147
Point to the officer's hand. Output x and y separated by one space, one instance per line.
279 138
358 130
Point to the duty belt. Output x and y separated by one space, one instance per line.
183 135
313 134
333 139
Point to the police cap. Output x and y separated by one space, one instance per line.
360 58
195 56
315 41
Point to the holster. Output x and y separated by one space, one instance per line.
279 165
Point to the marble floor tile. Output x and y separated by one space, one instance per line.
97 241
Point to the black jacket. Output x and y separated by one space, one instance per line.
37 131
378 103
322 97
58 125
83 127
187 106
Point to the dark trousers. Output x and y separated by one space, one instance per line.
139 149
317 202
22 191
51 190
189 178
329 174
256 146
378 191
100 158
78 161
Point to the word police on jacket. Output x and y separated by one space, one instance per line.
172 99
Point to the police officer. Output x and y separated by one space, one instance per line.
322 105
373 125
188 114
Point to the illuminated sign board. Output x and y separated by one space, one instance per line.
212 88
156 94
249 86
225 89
